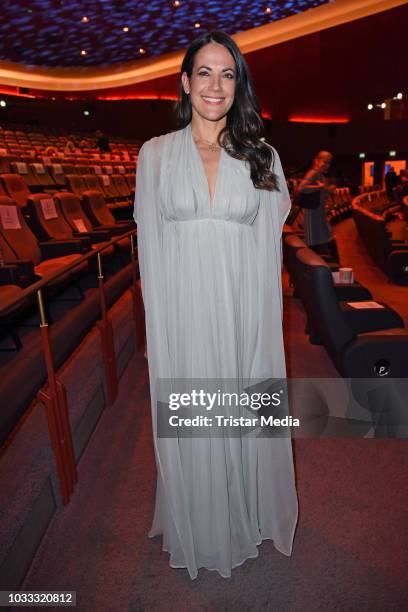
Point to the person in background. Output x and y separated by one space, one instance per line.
51 151
102 142
318 233
391 181
69 146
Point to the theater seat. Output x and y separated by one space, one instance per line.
42 176
71 208
48 221
350 291
100 216
121 185
48 256
75 183
354 354
391 257
16 188
92 182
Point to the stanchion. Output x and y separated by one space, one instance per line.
137 301
54 399
108 348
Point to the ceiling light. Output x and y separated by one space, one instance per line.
197 24
86 113
370 106
85 19
392 153
361 155
399 96
383 105
142 51
2 103
125 29
83 52
176 3
268 10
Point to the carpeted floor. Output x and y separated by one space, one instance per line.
351 545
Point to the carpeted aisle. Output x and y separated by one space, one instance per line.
351 546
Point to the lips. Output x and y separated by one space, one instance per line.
213 101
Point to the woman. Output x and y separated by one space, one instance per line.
210 207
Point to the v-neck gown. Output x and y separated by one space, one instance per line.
211 286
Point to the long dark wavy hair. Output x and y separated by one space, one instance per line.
244 127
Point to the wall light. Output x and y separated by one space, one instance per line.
361 155
392 153
383 105
370 106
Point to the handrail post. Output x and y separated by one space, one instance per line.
54 398
137 301
106 333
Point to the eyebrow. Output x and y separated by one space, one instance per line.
223 70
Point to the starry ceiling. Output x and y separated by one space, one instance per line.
70 33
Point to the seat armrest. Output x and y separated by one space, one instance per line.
369 352
363 320
59 248
353 292
95 235
19 272
8 275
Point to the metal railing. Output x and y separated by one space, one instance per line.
53 394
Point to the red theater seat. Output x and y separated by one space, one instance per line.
100 216
47 257
16 188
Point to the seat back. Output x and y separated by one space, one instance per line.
319 298
76 183
92 182
41 174
121 185
9 254
131 180
23 168
17 233
108 188
73 212
373 231
96 208
16 188
291 244
48 215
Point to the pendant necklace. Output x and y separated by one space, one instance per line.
212 146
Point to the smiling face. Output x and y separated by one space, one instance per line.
212 82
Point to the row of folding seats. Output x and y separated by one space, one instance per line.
389 254
56 231
118 189
360 341
339 204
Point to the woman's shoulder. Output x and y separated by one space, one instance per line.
157 143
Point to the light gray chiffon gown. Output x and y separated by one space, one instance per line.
211 287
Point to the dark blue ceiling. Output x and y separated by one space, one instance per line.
53 33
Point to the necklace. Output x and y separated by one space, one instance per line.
212 146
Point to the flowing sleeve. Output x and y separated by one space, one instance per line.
150 255
273 210
171 501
